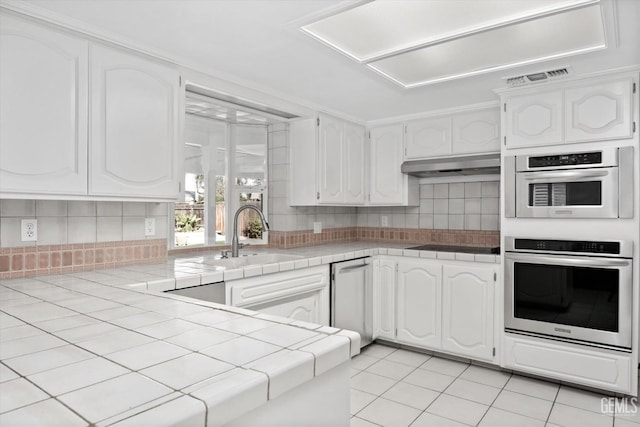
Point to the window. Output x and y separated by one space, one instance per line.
225 168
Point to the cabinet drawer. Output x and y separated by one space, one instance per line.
277 286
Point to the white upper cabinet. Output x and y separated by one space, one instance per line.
134 126
428 138
476 132
592 110
43 110
599 112
534 119
418 306
327 158
387 184
471 132
467 310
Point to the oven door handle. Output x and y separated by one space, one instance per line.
537 176
599 262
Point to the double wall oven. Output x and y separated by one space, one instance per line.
579 291
570 290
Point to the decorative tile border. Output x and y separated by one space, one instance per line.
54 259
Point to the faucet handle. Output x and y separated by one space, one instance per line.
224 254
242 245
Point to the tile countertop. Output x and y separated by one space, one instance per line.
106 347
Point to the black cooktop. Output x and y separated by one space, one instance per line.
463 249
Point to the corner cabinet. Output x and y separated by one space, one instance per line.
387 184
443 306
54 144
327 162
591 110
43 110
134 126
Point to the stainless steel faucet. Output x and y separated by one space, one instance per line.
235 246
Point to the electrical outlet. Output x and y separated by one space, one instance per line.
384 221
317 227
29 230
149 226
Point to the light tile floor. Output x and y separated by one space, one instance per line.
397 387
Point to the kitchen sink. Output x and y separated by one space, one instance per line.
253 259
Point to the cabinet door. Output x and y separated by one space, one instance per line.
428 138
599 112
331 158
534 120
476 132
43 110
384 286
386 182
467 311
354 170
134 137
418 307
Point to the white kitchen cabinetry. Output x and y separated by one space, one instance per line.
598 112
134 126
384 284
387 184
444 306
592 367
428 138
327 158
47 148
534 119
468 310
591 110
418 305
476 132
43 110
471 132
297 294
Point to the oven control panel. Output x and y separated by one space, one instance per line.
566 160
577 246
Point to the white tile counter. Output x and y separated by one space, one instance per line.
107 347
75 351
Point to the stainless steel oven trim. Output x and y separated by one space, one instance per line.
609 159
625 187
608 208
626 249
622 338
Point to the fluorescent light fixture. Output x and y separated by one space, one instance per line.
420 42
554 36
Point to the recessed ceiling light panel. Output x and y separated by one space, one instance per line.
554 36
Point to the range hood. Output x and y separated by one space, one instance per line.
481 164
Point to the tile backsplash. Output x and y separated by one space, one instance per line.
70 222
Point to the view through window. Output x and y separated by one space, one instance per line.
225 168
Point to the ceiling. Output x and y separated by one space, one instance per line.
259 44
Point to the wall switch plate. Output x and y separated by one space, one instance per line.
317 227
149 226
384 221
29 230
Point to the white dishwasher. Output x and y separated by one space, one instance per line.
352 297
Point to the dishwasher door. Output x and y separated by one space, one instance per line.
352 297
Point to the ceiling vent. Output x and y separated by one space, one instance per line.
538 77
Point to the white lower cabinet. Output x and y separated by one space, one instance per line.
444 306
593 367
418 305
297 294
468 311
